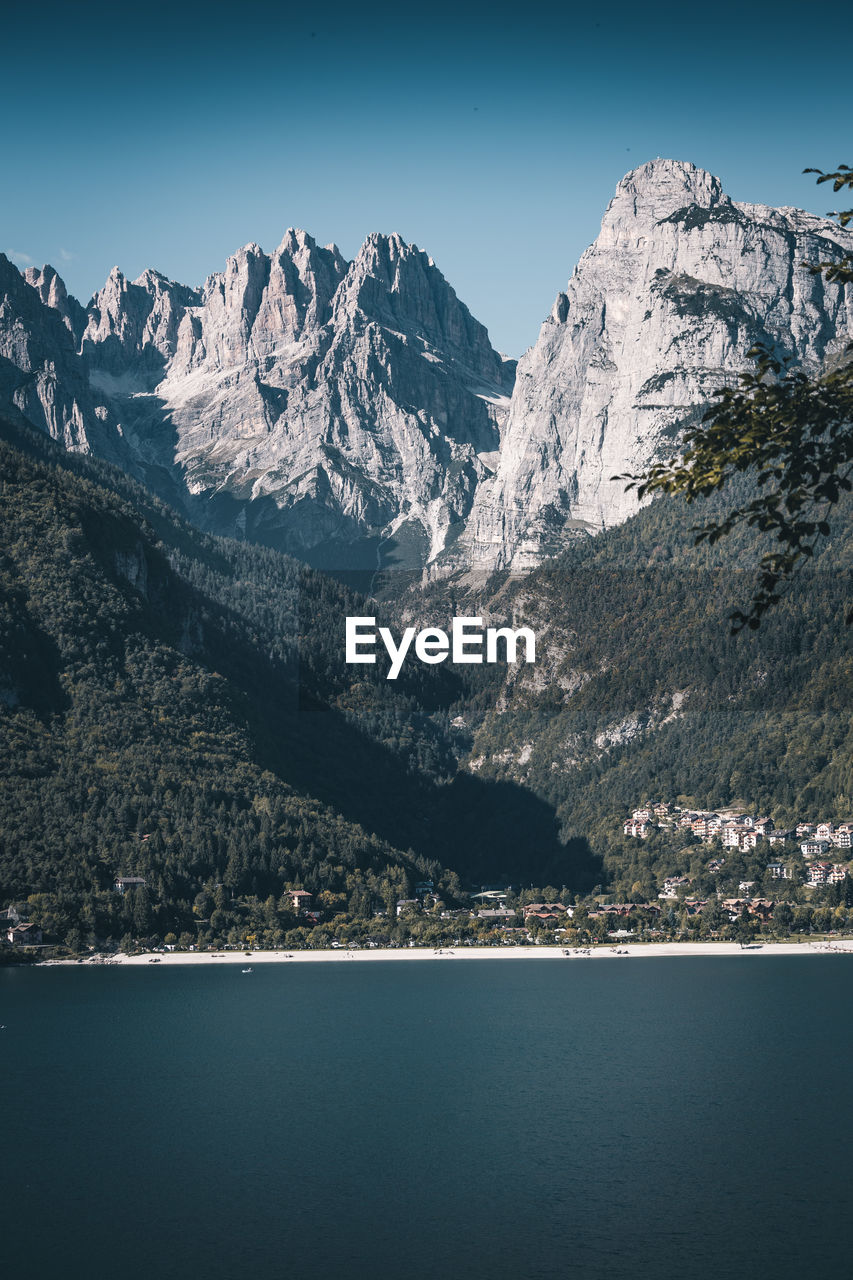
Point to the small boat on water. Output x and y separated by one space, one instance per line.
249 970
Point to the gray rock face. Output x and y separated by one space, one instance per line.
41 376
356 414
659 313
336 410
132 329
51 290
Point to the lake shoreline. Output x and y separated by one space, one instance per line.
342 955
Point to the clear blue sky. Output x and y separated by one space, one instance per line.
168 135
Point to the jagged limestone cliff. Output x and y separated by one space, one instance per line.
41 376
334 409
659 313
356 414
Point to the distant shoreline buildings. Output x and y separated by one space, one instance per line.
742 831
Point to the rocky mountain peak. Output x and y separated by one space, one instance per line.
398 286
132 327
261 302
383 251
665 185
51 289
295 241
339 410
49 286
41 374
653 193
356 413
659 313
153 281
243 281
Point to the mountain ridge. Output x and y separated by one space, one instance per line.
355 413
659 313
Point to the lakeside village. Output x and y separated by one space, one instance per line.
738 878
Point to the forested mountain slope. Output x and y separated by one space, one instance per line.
177 707
641 692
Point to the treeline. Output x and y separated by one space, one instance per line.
176 706
642 692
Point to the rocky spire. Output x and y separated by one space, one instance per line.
659 313
356 413
41 375
50 287
132 327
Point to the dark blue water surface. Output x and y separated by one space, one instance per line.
684 1118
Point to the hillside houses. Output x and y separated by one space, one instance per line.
639 827
759 908
671 886
18 932
827 873
300 899
123 884
735 836
24 935
545 911
737 830
746 833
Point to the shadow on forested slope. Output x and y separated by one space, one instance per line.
29 660
484 830
106 585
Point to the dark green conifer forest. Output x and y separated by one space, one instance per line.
177 707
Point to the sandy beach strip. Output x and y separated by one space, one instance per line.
407 954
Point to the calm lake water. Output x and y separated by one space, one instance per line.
653 1119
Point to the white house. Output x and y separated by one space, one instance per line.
814 848
123 883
